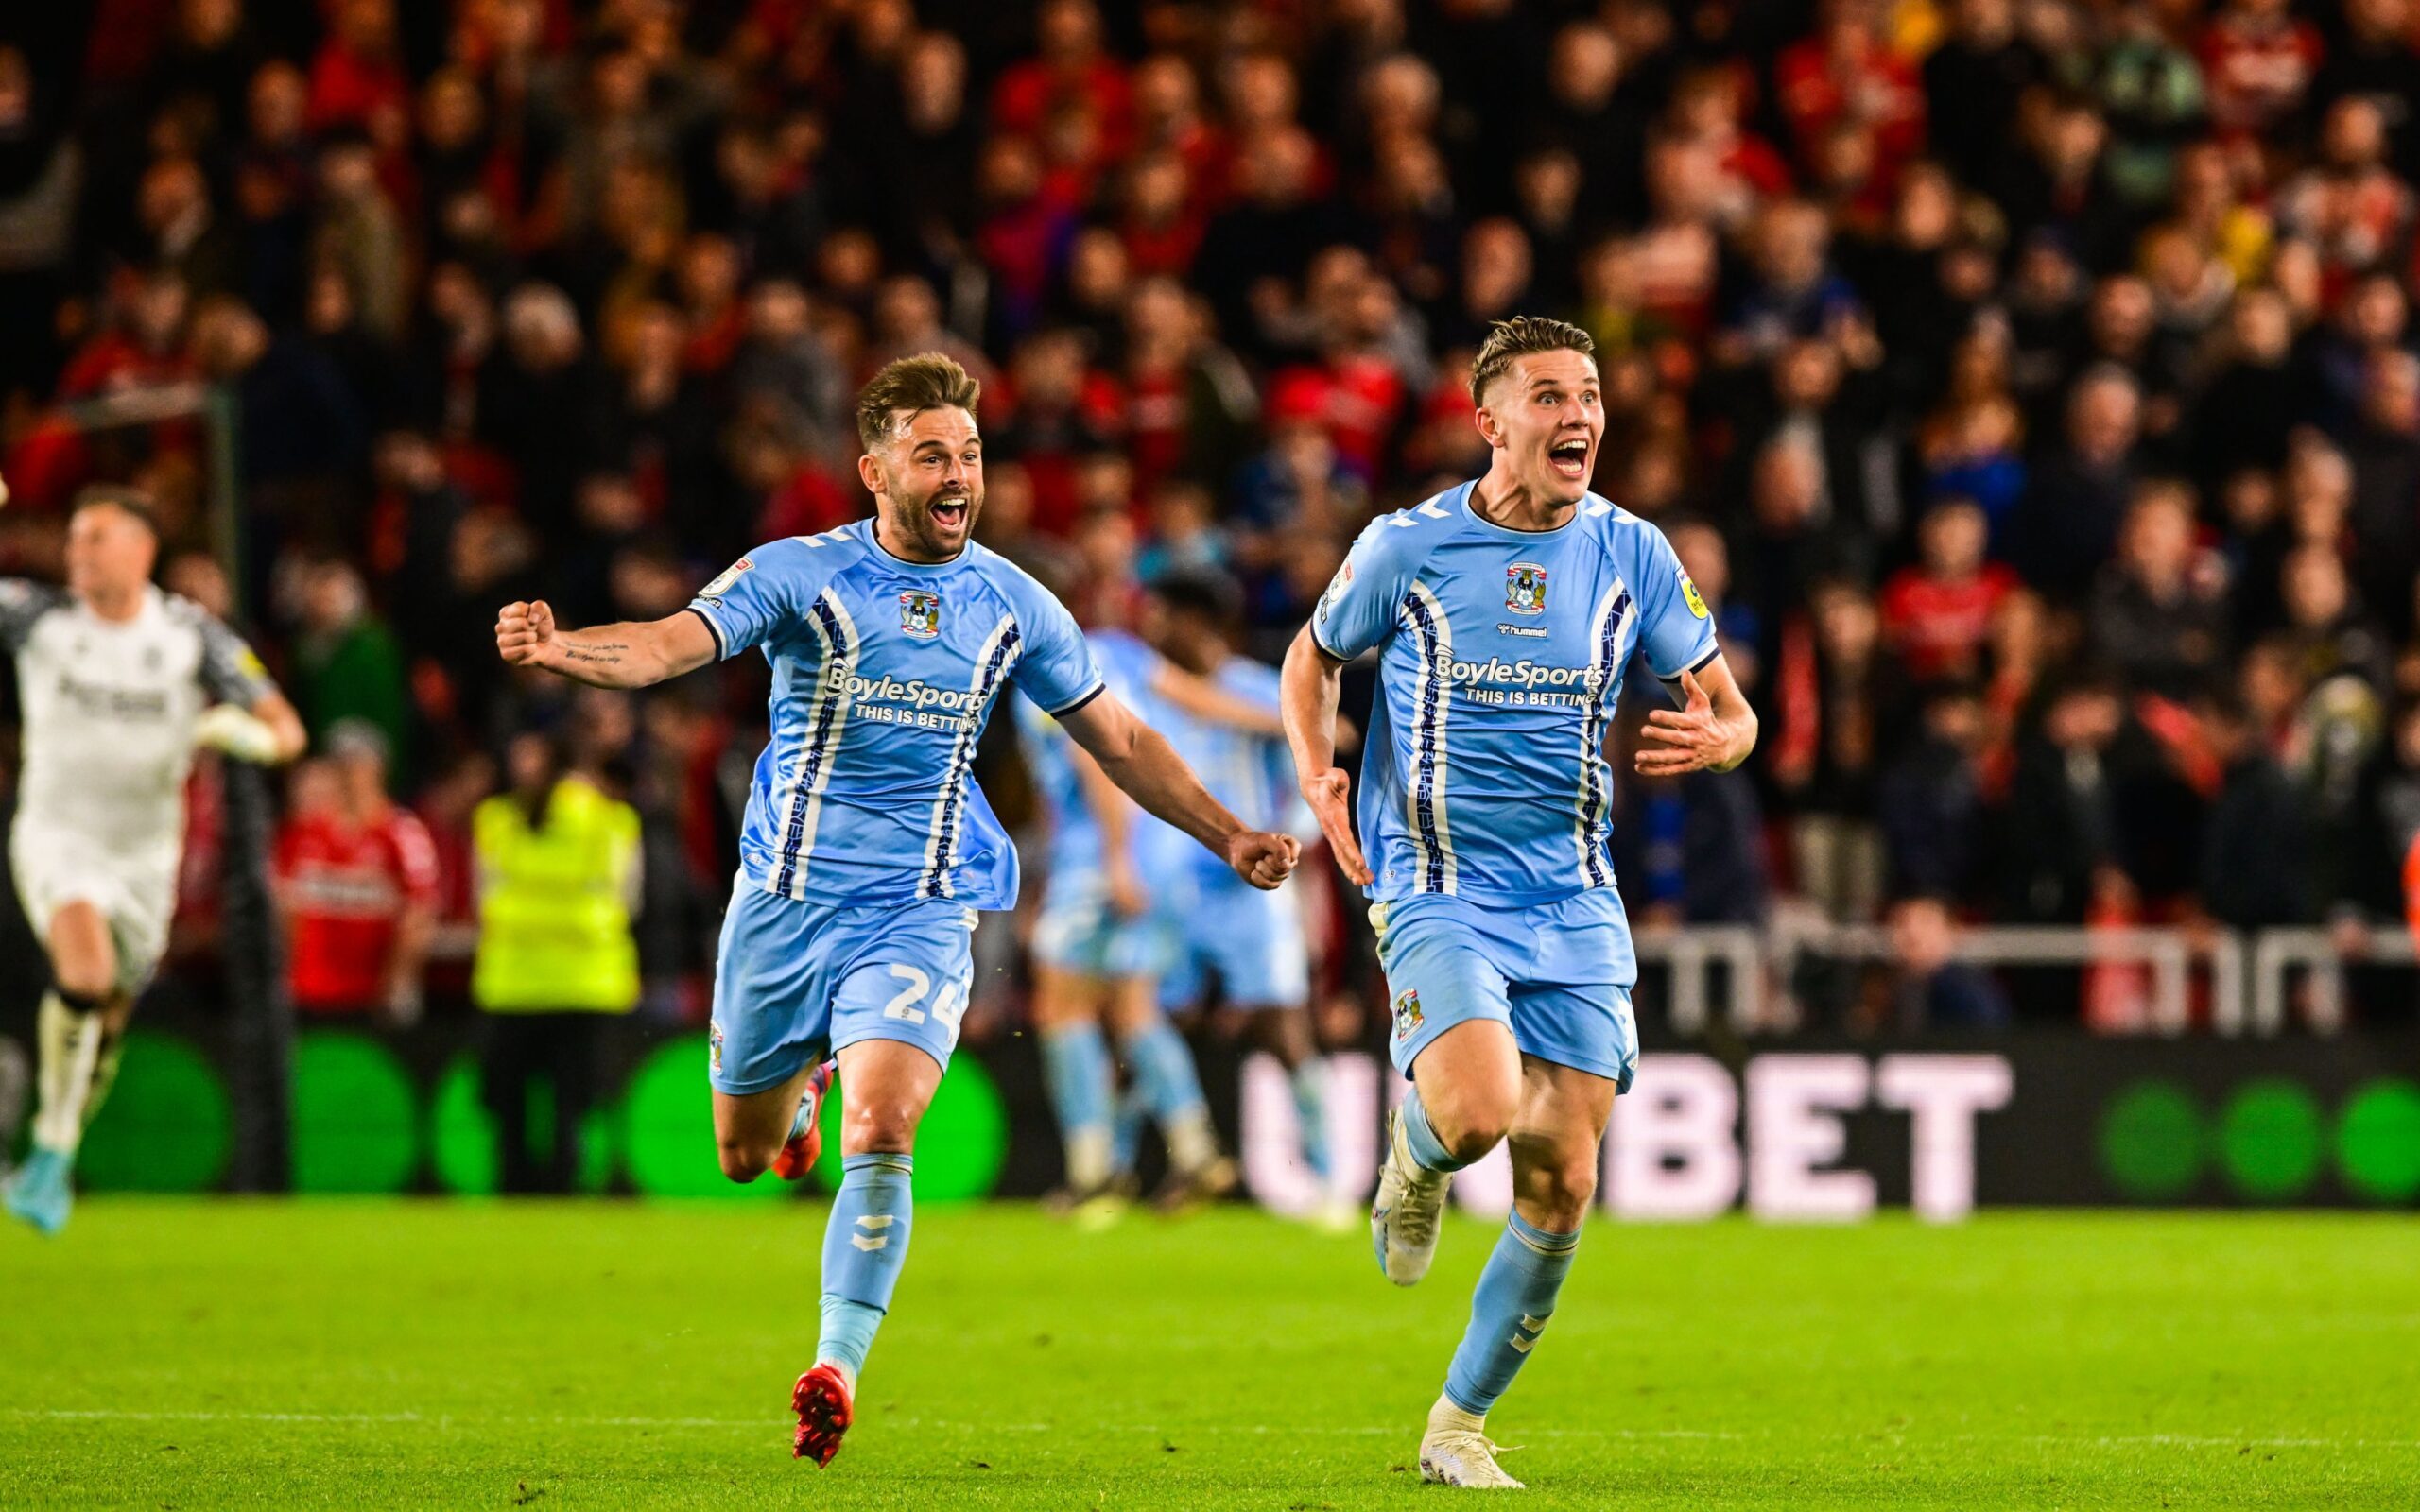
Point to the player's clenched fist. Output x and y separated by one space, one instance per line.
1263 859
524 632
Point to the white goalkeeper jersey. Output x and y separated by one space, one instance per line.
108 711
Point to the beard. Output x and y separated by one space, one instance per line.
930 529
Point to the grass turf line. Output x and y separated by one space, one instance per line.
352 1353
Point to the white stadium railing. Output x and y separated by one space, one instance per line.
2249 976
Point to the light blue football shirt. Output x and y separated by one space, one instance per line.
1128 668
1501 661
884 674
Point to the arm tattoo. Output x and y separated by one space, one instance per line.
608 652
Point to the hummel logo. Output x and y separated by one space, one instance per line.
876 1222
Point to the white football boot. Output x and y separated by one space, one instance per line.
1403 1216
1455 1451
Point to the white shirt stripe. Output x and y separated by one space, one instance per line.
940 854
835 692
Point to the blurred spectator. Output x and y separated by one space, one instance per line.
559 877
2260 57
1935 990
1974 83
2158 613
2254 863
346 663
1973 444
2062 848
2070 524
1930 801
1937 611
2384 450
1838 696
357 884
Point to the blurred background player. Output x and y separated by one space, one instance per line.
1504 611
868 849
1098 949
1251 946
1105 935
119 682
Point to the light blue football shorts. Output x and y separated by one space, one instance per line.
1558 974
1078 932
1251 940
795 983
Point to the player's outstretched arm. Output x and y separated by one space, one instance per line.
1205 700
1139 760
1311 683
611 656
1714 729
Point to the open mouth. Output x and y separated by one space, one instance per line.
950 514
1570 458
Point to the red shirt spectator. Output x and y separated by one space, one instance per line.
1073 69
358 80
1937 613
2258 60
1846 70
357 878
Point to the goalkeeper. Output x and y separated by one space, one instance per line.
119 682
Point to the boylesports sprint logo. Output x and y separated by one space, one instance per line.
1407 1019
712 591
920 613
1524 588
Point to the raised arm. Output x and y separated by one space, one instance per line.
1312 680
1714 729
630 655
1206 701
1140 761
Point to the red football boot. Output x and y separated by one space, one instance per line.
798 1157
822 1401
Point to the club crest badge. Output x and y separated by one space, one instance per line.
712 591
1408 1018
920 614
1524 588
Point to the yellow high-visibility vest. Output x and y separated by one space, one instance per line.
555 903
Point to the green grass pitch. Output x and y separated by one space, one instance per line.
373 1354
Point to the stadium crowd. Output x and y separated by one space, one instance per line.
2029 385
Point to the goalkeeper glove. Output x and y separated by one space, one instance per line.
239 732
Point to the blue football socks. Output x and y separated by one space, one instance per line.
865 1246
1427 1150
1076 1068
1171 1088
1508 1310
1309 1081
